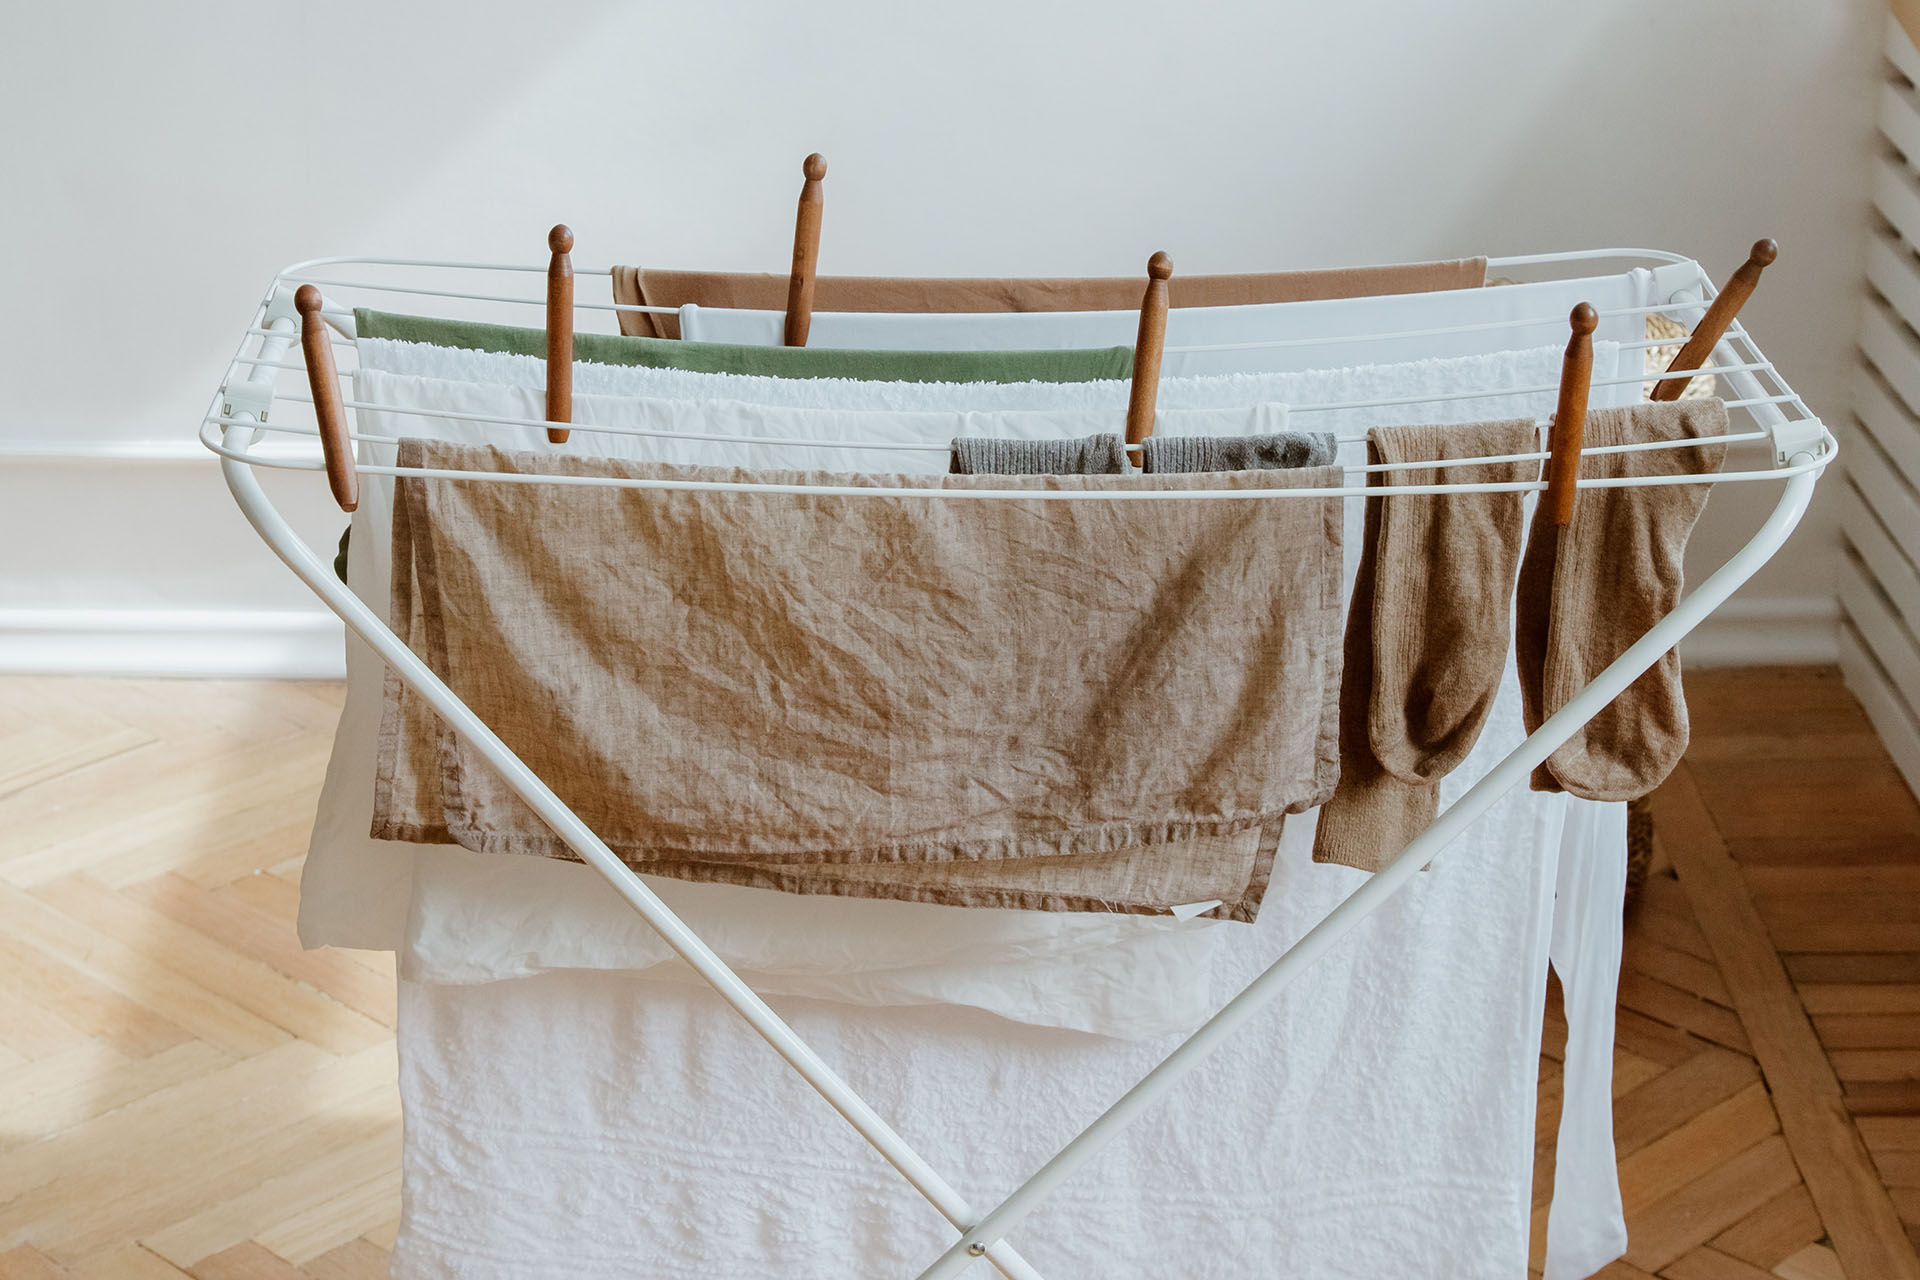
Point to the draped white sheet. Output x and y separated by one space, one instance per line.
1586 1217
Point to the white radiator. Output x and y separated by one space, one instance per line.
1879 581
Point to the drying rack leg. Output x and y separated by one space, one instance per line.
1510 772
298 556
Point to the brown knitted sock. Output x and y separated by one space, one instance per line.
1593 588
1426 634
1440 613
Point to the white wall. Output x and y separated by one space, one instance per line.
161 161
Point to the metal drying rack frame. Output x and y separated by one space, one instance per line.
238 420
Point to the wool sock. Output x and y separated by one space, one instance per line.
1589 590
1426 639
1272 452
1102 455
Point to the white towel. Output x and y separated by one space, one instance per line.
1314 334
1376 1121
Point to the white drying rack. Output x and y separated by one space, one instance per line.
238 420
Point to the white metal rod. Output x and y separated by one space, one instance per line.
279 535
511 300
292 272
350 260
1511 772
1330 406
244 455
1651 344
1557 321
1582 255
1515 260
1318 340
1434 464
414 291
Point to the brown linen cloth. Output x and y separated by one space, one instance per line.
873 696
1426 634
1591 589
921 295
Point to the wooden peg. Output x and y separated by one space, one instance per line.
335 445
806 252
1147 348
1570 416
560 332
1713 326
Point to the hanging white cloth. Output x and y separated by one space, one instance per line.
1598 901
1377 1120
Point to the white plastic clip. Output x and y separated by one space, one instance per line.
280 307
247 395
1797 440
1691 297
254 395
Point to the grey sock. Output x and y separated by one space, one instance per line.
1104 455
1280 451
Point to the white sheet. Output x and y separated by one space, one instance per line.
1585 1215
1586 1225
1586 956
1377 1121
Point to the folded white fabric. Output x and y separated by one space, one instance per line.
1211 340
1376 1121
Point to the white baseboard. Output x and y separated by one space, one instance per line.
1767 631
307 644
207 643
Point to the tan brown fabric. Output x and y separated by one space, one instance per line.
920 295
1426 638
874 696
1591 589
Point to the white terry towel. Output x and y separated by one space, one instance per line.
1376 1121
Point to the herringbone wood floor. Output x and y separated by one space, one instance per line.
183 1091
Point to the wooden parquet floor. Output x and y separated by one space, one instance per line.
186 1093
183 1090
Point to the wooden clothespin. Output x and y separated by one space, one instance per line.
335 445
1570 415
1147 348
559 333
806 252
1713 326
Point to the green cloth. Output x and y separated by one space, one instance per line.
1092 365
